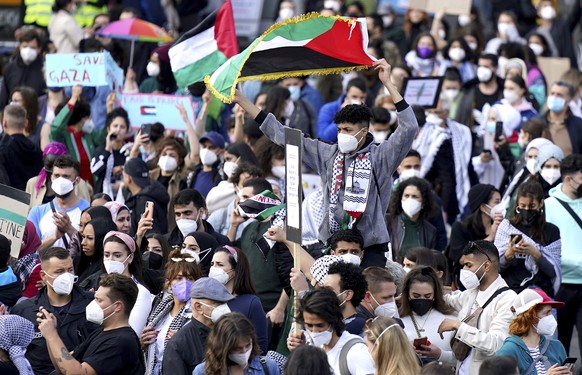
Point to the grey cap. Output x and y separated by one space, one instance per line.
209 288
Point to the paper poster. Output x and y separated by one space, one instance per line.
434 6
293 185
150 108
13 211
85 69
422 91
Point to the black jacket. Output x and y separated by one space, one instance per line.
17 73
21 159
156 193
10 293
176 238
427 235
185 350
72 327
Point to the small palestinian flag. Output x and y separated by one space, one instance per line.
304 45
200 51
261 206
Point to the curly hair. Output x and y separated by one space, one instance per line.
351 278
521 324
428 205
347 235
423 275
357 114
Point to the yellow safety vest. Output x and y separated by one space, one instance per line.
38 12
86 12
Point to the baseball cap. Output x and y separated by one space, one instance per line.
215 138
138 170
209 288
533 297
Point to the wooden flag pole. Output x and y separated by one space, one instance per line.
297 266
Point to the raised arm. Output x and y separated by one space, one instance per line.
59 125
193 136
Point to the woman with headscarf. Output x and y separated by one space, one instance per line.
27 267
38 187
203 246
16 333
120 216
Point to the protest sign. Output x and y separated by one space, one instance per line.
293 186
85 69
434 6
553 68
13 211
150 108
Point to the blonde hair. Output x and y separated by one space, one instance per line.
392 352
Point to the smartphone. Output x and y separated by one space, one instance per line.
149 209
146 129
569 361
420 341
498 130
513 236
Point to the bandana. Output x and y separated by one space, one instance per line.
53 148
126 238
115 208
16 333
356 189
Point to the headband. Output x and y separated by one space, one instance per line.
384 331
232 252
126 238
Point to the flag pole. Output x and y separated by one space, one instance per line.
297 266
131 53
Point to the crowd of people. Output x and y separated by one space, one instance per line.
436 240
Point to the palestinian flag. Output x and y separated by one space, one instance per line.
200 51
261 206
304 45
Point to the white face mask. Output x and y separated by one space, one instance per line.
95 314
351 258
380 135
229 167
332 4
457 54
500 207
507 30
62 186
537 49
551 175
532 166
208 157
411 207
187 226
464 20
88 126
511 96
219 275
347 143
470 279
63 284
168 163
522 142
219 311
484 74
434 119
473 46
547 325
114 266
241 359
278 171
388 309
28 54
409 173
320 338
548 13
451 94
406 269
153 69
501 62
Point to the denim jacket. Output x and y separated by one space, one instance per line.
254 368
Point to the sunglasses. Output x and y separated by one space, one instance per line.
189 260
474 246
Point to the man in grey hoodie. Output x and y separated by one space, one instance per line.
356 172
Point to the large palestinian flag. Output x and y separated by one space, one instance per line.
200 51
304 45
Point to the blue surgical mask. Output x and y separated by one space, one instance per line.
295 92
555 104
491 127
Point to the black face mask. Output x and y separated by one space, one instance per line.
153 260
421 305
529 216
578 191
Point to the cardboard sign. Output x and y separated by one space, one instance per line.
85 69
293 186
13 210
424 91
150 108
553 68
434 6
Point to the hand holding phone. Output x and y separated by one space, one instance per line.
146 129
420 341
516 238
149 210
570 361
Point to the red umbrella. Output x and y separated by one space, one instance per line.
135 30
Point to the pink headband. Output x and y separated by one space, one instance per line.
232 252
115 207
126 238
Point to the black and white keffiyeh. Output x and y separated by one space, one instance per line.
16 333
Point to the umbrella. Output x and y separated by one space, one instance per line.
135 30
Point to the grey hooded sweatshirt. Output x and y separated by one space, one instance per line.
385 156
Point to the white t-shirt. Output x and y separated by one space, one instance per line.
42 218
359 360
430 323
141 310
163 327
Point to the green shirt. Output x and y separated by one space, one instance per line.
410 239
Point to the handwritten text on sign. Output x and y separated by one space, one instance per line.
13 211
150 108
85 69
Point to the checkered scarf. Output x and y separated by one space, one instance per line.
24 267
356 189
16 333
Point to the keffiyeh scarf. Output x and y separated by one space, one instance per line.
357 187
16 333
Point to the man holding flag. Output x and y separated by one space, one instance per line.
356 172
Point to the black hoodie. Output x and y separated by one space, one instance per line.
10 293
17 73
156 193
21 159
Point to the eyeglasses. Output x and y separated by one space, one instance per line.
474 246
